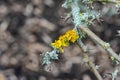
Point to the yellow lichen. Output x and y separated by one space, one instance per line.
64 40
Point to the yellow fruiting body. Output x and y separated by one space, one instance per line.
64 40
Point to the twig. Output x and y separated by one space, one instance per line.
115 2
90 63
103 44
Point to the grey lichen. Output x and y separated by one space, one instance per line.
114 74
48 56
67 3
81 12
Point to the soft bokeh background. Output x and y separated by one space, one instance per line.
27 27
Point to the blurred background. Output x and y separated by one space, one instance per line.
27 27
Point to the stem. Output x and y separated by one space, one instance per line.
76 13
100 42
89 62
115 2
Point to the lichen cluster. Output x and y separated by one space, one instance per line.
70 36
64 40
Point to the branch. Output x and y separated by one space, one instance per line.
108 1
103 44
90 63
